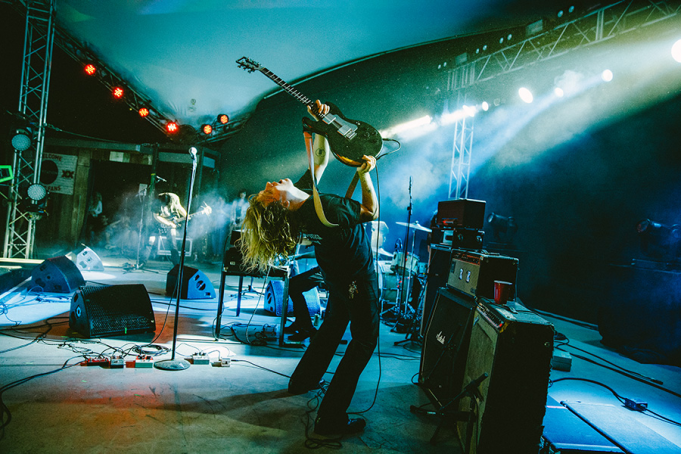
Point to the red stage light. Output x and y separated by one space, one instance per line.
223 118
90 69
206 129
118 92
172 127
143 112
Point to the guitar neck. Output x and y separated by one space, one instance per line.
288 88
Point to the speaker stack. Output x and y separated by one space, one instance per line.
114 310
274 297
195 284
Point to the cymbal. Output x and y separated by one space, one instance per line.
382 251
415 226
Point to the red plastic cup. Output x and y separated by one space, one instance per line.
502 292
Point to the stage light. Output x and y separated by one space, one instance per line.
503 228
485 106
659 241
223 119
172 127
118 92
558 92
508 38
144 112
560 13
90 69
607 75
676 51
36 192
501 40
206 129
525 95
571 9
21 141
484 48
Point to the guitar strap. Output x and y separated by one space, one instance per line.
315 194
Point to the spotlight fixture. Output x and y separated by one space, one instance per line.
560 13
485 106
144 112
118 92
676 51
223 119
90 69
558 92
206 129
172 127
607 75
36 192
659 241
21 141
503 228
526 95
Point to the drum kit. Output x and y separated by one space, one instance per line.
399 273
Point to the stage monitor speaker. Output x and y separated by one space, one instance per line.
195 284
515 350
86 259
439 262
274 296
445 346
115 310
57 275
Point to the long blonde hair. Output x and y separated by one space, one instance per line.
268 234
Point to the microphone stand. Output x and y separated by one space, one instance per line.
172 363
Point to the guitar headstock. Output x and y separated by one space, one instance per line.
248 64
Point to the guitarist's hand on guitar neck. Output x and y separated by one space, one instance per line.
320 110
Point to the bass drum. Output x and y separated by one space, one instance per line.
387 283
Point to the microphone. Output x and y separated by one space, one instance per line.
192 152
161 179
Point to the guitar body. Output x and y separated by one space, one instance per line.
349 151
349 140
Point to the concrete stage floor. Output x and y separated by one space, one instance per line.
53 404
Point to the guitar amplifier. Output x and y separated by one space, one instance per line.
463 238
474 273
464 213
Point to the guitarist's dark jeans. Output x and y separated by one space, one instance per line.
355 302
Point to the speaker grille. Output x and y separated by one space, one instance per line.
112 310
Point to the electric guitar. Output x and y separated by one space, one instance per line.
349 140
178 221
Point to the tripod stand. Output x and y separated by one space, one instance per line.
471 391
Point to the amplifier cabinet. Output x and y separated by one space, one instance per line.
467 213
515 350
474 273
445 346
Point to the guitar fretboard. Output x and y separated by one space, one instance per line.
289 89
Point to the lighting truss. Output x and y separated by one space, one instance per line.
597 26
594 27
35 82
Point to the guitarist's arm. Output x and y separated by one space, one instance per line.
164 221
320 146
369 210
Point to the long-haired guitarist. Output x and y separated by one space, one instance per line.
167 212
275 220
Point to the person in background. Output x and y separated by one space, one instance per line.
168 214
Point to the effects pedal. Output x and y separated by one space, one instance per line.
200 359
95 362
117 362
144 361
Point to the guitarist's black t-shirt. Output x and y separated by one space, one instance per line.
343 253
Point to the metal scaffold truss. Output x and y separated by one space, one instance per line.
593 27
35 82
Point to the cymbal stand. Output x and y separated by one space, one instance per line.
414 326
401 282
